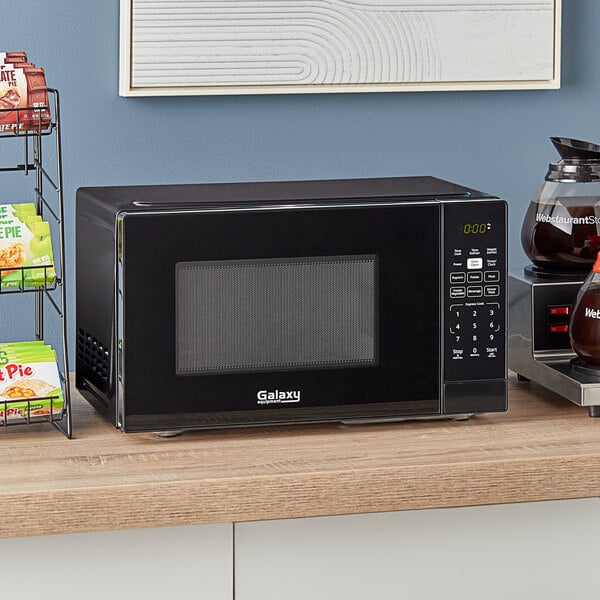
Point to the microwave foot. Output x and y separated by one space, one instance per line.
594 411
461 417
464 417
169 433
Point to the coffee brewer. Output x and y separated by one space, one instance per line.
561 236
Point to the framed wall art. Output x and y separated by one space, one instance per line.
194 47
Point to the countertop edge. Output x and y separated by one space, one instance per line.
280 496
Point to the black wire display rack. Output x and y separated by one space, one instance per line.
47 282
30 126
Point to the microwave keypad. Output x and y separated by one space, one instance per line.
476 329
474 307
474 277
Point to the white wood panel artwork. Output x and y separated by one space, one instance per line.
186 47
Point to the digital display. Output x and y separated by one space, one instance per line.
473 228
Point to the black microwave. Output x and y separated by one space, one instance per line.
226 305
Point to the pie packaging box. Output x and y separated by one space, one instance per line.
13 57
29 381
13 96
23 94
20 208
25 241
22 345
38 117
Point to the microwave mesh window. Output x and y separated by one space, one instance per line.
276 314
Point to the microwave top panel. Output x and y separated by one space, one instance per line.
192 196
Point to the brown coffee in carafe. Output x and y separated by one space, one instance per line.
561 229
584 328
561 235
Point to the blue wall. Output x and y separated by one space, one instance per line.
494 141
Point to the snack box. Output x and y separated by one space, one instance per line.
25 249
23 94
13 98
20 208
30 383
13 57
38 116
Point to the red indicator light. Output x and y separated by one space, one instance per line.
559 328
560 310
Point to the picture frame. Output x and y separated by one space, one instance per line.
220 47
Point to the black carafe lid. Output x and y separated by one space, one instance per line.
580 161
578 149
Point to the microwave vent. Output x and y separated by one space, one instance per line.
92 353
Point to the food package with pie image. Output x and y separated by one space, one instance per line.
13 57
30 383
13 98
20 208
26 257
38 115
23 94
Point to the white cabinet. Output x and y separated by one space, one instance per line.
170 562
542 550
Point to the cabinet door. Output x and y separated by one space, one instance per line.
540 550
170 562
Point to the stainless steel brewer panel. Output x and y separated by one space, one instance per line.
539 310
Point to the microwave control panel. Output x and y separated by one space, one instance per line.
474 288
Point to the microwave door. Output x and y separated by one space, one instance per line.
241 317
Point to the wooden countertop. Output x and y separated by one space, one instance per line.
543 448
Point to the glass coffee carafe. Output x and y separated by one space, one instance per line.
584 328
561 230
